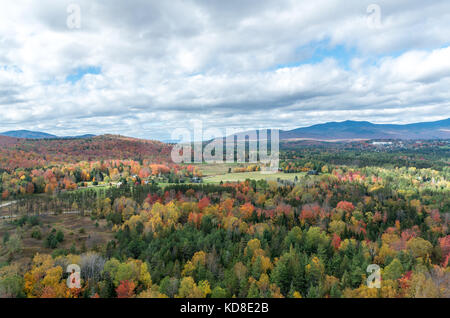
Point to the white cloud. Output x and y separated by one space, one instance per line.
230 63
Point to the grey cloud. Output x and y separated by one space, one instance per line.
165 62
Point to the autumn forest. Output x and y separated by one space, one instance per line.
138 225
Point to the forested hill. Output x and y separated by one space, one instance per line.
366 130
30 153
27 134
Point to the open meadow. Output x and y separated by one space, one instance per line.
254 175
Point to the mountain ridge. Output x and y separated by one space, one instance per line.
344 130
367 130
29 134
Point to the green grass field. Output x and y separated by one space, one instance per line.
234 177
97 187
212 169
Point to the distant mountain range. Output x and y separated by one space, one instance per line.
332 131
363 130
351 130
27 134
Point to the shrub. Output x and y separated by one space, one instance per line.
59 236
51 241
36 234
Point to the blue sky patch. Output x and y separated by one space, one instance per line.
316 52
81 71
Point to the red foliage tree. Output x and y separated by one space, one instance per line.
203 203
336 242
444 243
125 289
346 206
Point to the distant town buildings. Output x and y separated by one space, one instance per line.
382 143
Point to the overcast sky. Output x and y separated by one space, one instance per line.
142 68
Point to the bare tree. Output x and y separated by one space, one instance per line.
91 266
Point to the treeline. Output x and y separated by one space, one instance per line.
65 177
435 158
